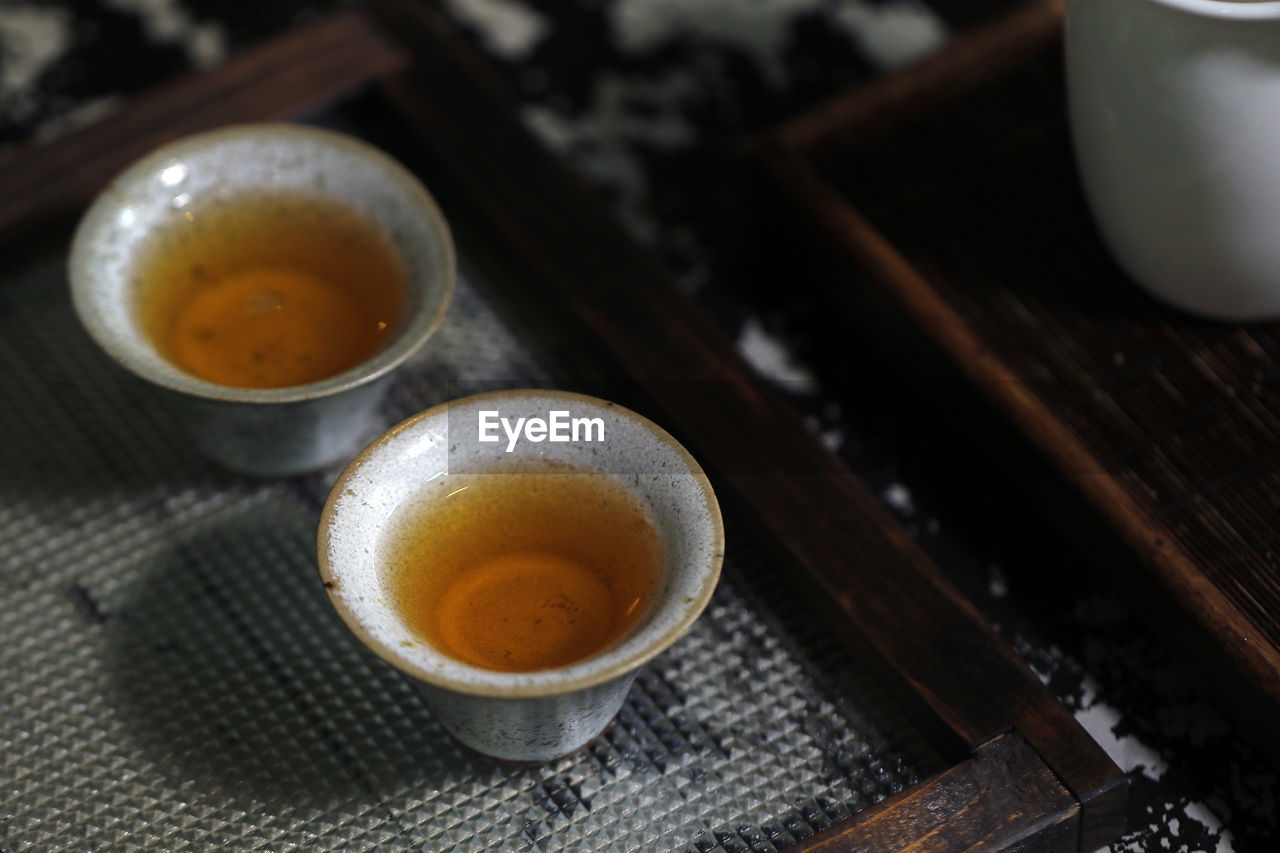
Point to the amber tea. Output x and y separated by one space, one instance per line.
526 570
270 289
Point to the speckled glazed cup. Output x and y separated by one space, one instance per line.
270 431
518 716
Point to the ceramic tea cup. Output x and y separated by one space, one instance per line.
273 430
521 716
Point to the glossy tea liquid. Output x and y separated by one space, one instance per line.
528 570
269 290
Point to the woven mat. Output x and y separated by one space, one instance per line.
172 676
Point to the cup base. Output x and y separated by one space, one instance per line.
536 762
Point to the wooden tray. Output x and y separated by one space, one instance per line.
1025 776
1152 433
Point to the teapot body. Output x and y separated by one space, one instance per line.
1175 117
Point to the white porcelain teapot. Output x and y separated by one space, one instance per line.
1175 114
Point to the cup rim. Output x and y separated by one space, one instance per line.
418 330
1225 9
515 685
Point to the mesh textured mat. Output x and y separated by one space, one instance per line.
172 676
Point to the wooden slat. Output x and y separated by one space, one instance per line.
283 78
1003 798
876 587
965 63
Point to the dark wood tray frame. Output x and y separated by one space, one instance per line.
1026 776
1240 666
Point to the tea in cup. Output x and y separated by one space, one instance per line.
533 565
268 279
522 582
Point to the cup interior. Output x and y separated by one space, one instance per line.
115 233
412 463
